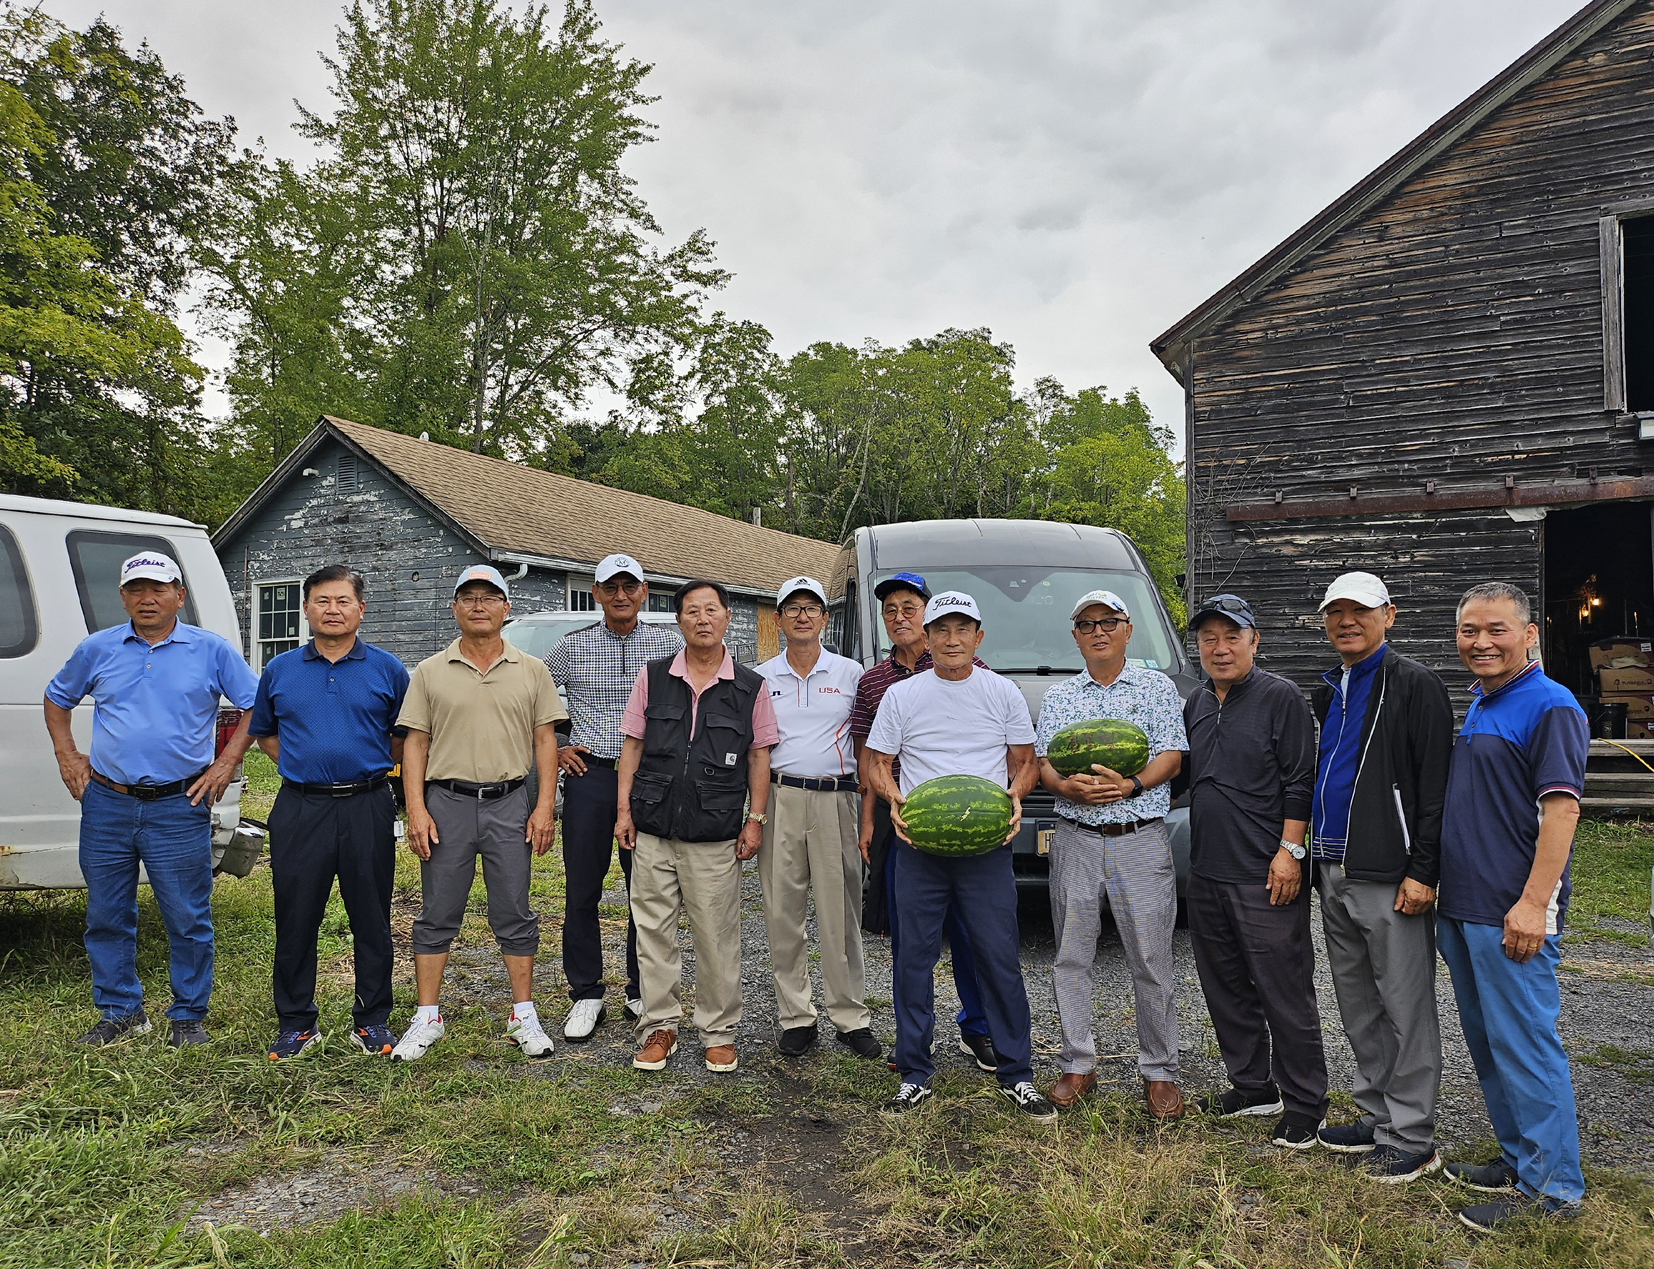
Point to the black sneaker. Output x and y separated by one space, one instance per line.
908 1097
1237 1102
187 1033
1297 1132
375 1039
861 1043
1489 1178
796 1041
110 1030
1031 1102
1487 1217
1356 1138
289 1044
981 1048
1391 1165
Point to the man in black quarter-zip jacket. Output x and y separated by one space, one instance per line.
1386 737
1251 771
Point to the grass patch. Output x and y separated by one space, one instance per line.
1611 868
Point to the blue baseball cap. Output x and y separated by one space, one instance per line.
1233 607
902 581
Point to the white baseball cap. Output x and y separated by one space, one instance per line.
612 565
952 601
484 573
801 583
1365 588
1107 598
152 565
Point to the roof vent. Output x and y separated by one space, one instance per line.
347 474
424 436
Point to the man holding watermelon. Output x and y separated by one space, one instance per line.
963 734
1120 729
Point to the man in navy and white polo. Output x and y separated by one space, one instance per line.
326 713
147 790
810 841
1503 896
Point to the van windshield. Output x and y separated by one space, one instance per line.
1025 610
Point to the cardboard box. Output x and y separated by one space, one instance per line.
1638 704
1622 652
1630 678
1637 729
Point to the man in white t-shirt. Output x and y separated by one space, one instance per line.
955 719
810 841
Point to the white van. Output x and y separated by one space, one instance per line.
59 565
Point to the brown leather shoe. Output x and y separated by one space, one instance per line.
721 1057
661 1044
1070 1088
1164 1097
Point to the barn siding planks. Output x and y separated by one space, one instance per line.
1452 334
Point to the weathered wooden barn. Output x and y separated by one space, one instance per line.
1447 376
410 514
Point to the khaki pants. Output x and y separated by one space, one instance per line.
811 840
702 880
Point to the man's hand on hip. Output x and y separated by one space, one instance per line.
214 780
569 760
76 770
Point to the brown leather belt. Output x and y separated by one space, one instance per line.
148 792
1117 830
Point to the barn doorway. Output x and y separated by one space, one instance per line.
1599 585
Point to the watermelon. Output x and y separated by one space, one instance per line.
957 816
1112 742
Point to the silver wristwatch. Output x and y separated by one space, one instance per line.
1297 852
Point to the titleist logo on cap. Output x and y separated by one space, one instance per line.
143 561
952 601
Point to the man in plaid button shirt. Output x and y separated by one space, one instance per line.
596 668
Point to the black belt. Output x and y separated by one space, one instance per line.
348 789
482 792
592 760
148 792
1117 830
828 784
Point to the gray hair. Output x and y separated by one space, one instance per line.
1507 591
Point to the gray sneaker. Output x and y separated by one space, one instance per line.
111 1030
187 1033
1490 1178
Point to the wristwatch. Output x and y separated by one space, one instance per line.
761 819
1297 852
1136 787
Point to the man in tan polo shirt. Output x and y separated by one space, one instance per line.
479 714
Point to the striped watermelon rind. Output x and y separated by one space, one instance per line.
1113 742
957 816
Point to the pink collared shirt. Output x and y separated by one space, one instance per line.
764 731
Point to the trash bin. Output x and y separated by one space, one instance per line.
1608 719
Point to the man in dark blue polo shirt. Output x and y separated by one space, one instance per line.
326 714
1504 892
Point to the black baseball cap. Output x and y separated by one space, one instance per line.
902 581
1231 606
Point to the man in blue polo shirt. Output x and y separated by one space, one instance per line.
1504 890
147 790
326 714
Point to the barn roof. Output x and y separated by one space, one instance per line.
506 509
1172 346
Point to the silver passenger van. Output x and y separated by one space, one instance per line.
1025 576
59 569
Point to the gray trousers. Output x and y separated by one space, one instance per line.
1383 966
467 828
1133 875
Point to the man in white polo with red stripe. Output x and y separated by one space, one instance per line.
811 838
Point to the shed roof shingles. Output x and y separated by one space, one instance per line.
515 508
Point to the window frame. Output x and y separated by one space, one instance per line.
138 542
13 551
259 660
1611 266
579 584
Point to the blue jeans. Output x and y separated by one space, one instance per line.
971 1019
984 892
173 841
1509 1012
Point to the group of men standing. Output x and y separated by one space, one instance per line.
692 763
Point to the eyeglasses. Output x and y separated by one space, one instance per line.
792 612
903 610
611 589
478 601
1110 624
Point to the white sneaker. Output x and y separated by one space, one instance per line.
583 1019
529 1036
417 1040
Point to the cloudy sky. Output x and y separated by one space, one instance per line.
1073 174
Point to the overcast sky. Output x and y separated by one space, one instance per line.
1074 174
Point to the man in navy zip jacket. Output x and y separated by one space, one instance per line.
1386 735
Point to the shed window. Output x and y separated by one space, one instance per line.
659 602
279 619
580 594
18 631
96 559
1638 312
346 474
